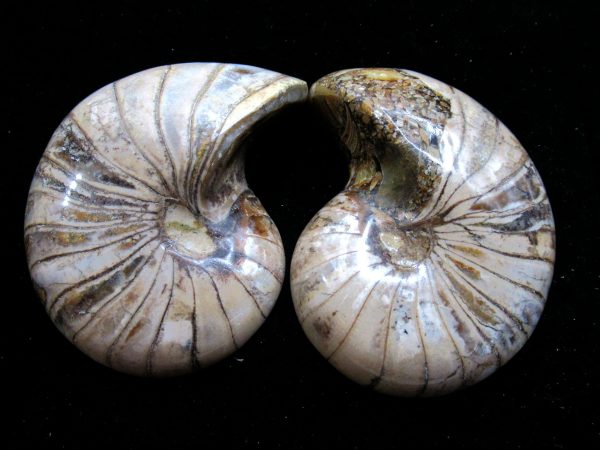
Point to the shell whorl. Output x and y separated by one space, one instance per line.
143 239
431 268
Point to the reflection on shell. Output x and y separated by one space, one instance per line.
431 269
144 242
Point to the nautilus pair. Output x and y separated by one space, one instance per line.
424 275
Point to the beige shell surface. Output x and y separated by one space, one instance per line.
431 268
147 247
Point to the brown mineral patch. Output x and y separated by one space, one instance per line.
322 327
121 230
468 250
459 327
137 327
82 216
69 238
250 207
108 324
475 303
129 243
468 270
260 225
242 71
131 297
180 312
255 216
74 299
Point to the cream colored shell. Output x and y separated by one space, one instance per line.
431 268
148 249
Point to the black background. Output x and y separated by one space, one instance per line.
529 63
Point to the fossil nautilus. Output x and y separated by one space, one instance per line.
431 268
147 247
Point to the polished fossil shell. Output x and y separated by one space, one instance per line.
147 247
431 268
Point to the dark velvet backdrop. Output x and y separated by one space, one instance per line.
529 63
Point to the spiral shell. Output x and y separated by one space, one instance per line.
431 268
147 247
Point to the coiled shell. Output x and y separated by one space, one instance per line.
148 249
431 269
